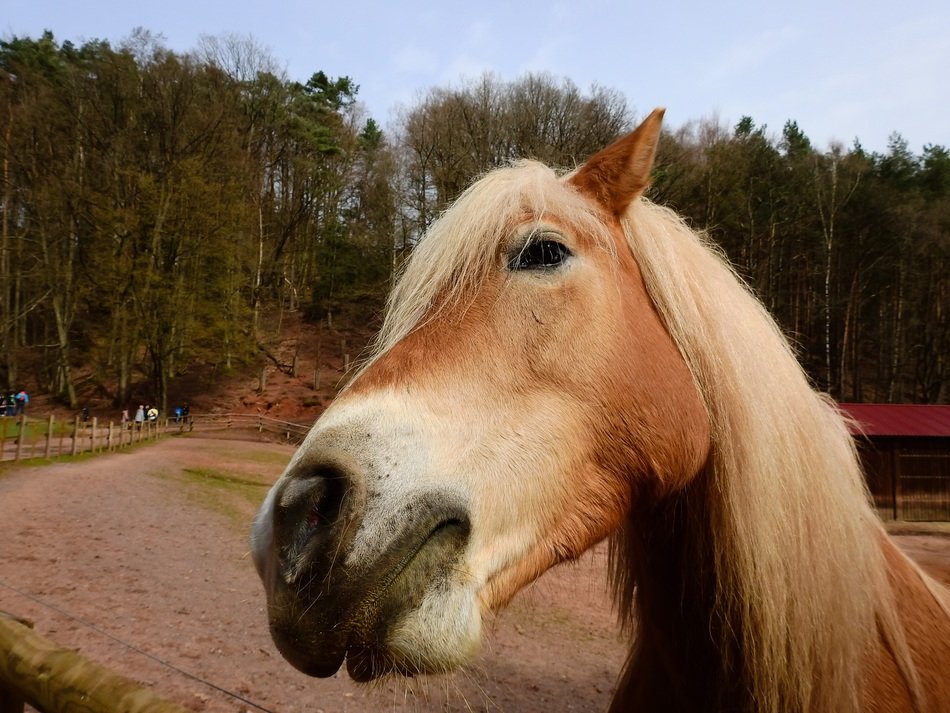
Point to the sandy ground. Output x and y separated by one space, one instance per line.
140 561
150 547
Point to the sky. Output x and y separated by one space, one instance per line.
843 69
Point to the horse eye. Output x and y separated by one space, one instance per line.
540 254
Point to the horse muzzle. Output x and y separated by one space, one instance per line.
343 565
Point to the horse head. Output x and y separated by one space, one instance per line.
523 394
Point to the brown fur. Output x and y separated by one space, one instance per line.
926 623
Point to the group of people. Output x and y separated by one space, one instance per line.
146 412
14 403
143 413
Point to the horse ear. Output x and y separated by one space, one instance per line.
618 174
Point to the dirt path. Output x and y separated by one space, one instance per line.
149 548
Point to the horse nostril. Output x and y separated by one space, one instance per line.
307 517
314 496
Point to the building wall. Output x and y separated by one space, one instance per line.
909 478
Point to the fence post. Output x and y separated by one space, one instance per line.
92 436
54 678
49 435
75 448
110 445
62 436
20 436
3 436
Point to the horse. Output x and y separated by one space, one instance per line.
563 361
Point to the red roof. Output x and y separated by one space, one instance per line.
899 419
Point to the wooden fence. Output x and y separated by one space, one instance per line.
23 437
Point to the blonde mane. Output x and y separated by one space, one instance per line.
799 581
799 572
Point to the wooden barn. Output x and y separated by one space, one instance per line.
905 450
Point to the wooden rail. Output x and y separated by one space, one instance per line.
53 679
289 431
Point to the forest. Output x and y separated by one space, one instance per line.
159 209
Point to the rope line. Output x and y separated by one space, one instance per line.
132 647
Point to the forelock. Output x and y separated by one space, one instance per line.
458 250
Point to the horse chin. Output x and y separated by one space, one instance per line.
417 647
427 621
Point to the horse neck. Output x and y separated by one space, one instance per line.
684 656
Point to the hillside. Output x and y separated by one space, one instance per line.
303 368
302 363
